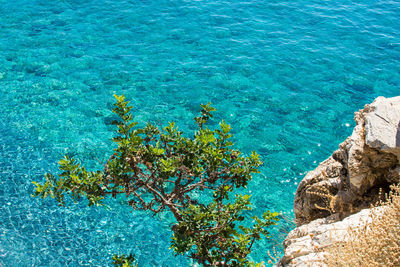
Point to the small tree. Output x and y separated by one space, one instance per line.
157 169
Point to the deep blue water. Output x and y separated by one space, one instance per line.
287 75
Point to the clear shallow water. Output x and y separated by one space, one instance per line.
287 75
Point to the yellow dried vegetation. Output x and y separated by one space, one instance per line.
374 244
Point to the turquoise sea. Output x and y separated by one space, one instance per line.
287 75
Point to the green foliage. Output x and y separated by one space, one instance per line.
212 230
75 180
158 168
124 261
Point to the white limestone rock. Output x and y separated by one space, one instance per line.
304 245
382 125
366 161
337 194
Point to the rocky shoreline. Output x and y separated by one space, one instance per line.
338 194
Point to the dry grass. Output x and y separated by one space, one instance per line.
376 243
328 201
274 257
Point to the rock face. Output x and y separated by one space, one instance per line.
304 245
349 181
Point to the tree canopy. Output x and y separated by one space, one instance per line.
160 169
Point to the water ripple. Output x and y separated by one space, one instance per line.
287 75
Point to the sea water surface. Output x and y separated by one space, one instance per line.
287 75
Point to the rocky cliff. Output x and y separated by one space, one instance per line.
338 193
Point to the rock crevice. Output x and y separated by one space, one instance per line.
356 176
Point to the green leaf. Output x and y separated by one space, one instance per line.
159 169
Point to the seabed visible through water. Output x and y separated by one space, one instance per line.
287 75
